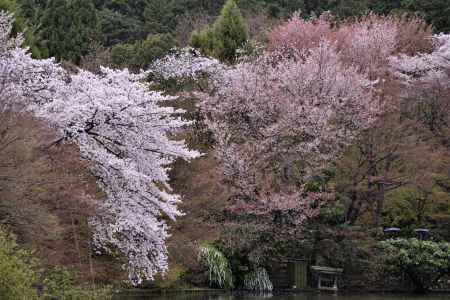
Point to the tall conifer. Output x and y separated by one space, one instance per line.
225 36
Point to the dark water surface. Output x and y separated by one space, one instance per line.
303 296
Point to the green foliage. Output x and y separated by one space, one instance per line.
173 278
205 40
123 55
250 49
219 269
60 284
159 16
405 206
17 274
423 261
116 27
332 213
436 12
139 54
8 5
23 23
351 248
284 8
11 6
68 28
226 36
411 205
258 280
230 31
156 46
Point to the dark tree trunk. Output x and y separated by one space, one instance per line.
380 204
354 207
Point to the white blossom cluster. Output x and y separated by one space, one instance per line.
427 68
23 80
6 41
121 128
185 63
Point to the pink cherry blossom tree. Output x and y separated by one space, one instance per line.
281 119
366 42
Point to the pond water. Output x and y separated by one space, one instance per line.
303 296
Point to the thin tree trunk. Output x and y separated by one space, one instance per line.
380 203
91 265
354 207
75 239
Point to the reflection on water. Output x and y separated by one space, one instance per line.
246 296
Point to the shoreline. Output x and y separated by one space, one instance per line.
277 291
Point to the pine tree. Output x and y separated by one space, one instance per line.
225 36
230 31
159 17
68 28
436 12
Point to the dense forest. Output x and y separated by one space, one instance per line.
193 143
136 32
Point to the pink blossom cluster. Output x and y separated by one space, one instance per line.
280 119
366 42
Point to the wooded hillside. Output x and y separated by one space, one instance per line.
146 141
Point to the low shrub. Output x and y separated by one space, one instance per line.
17 270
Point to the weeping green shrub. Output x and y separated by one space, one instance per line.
258 280
219 269
17 266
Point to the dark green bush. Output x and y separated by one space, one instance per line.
141 53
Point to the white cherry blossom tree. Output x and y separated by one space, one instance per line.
426 85
185 63
119 126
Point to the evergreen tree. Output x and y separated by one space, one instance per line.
159 16
436 12
230 31
138 55
68 28
205 40
117 27
227 34
30 9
